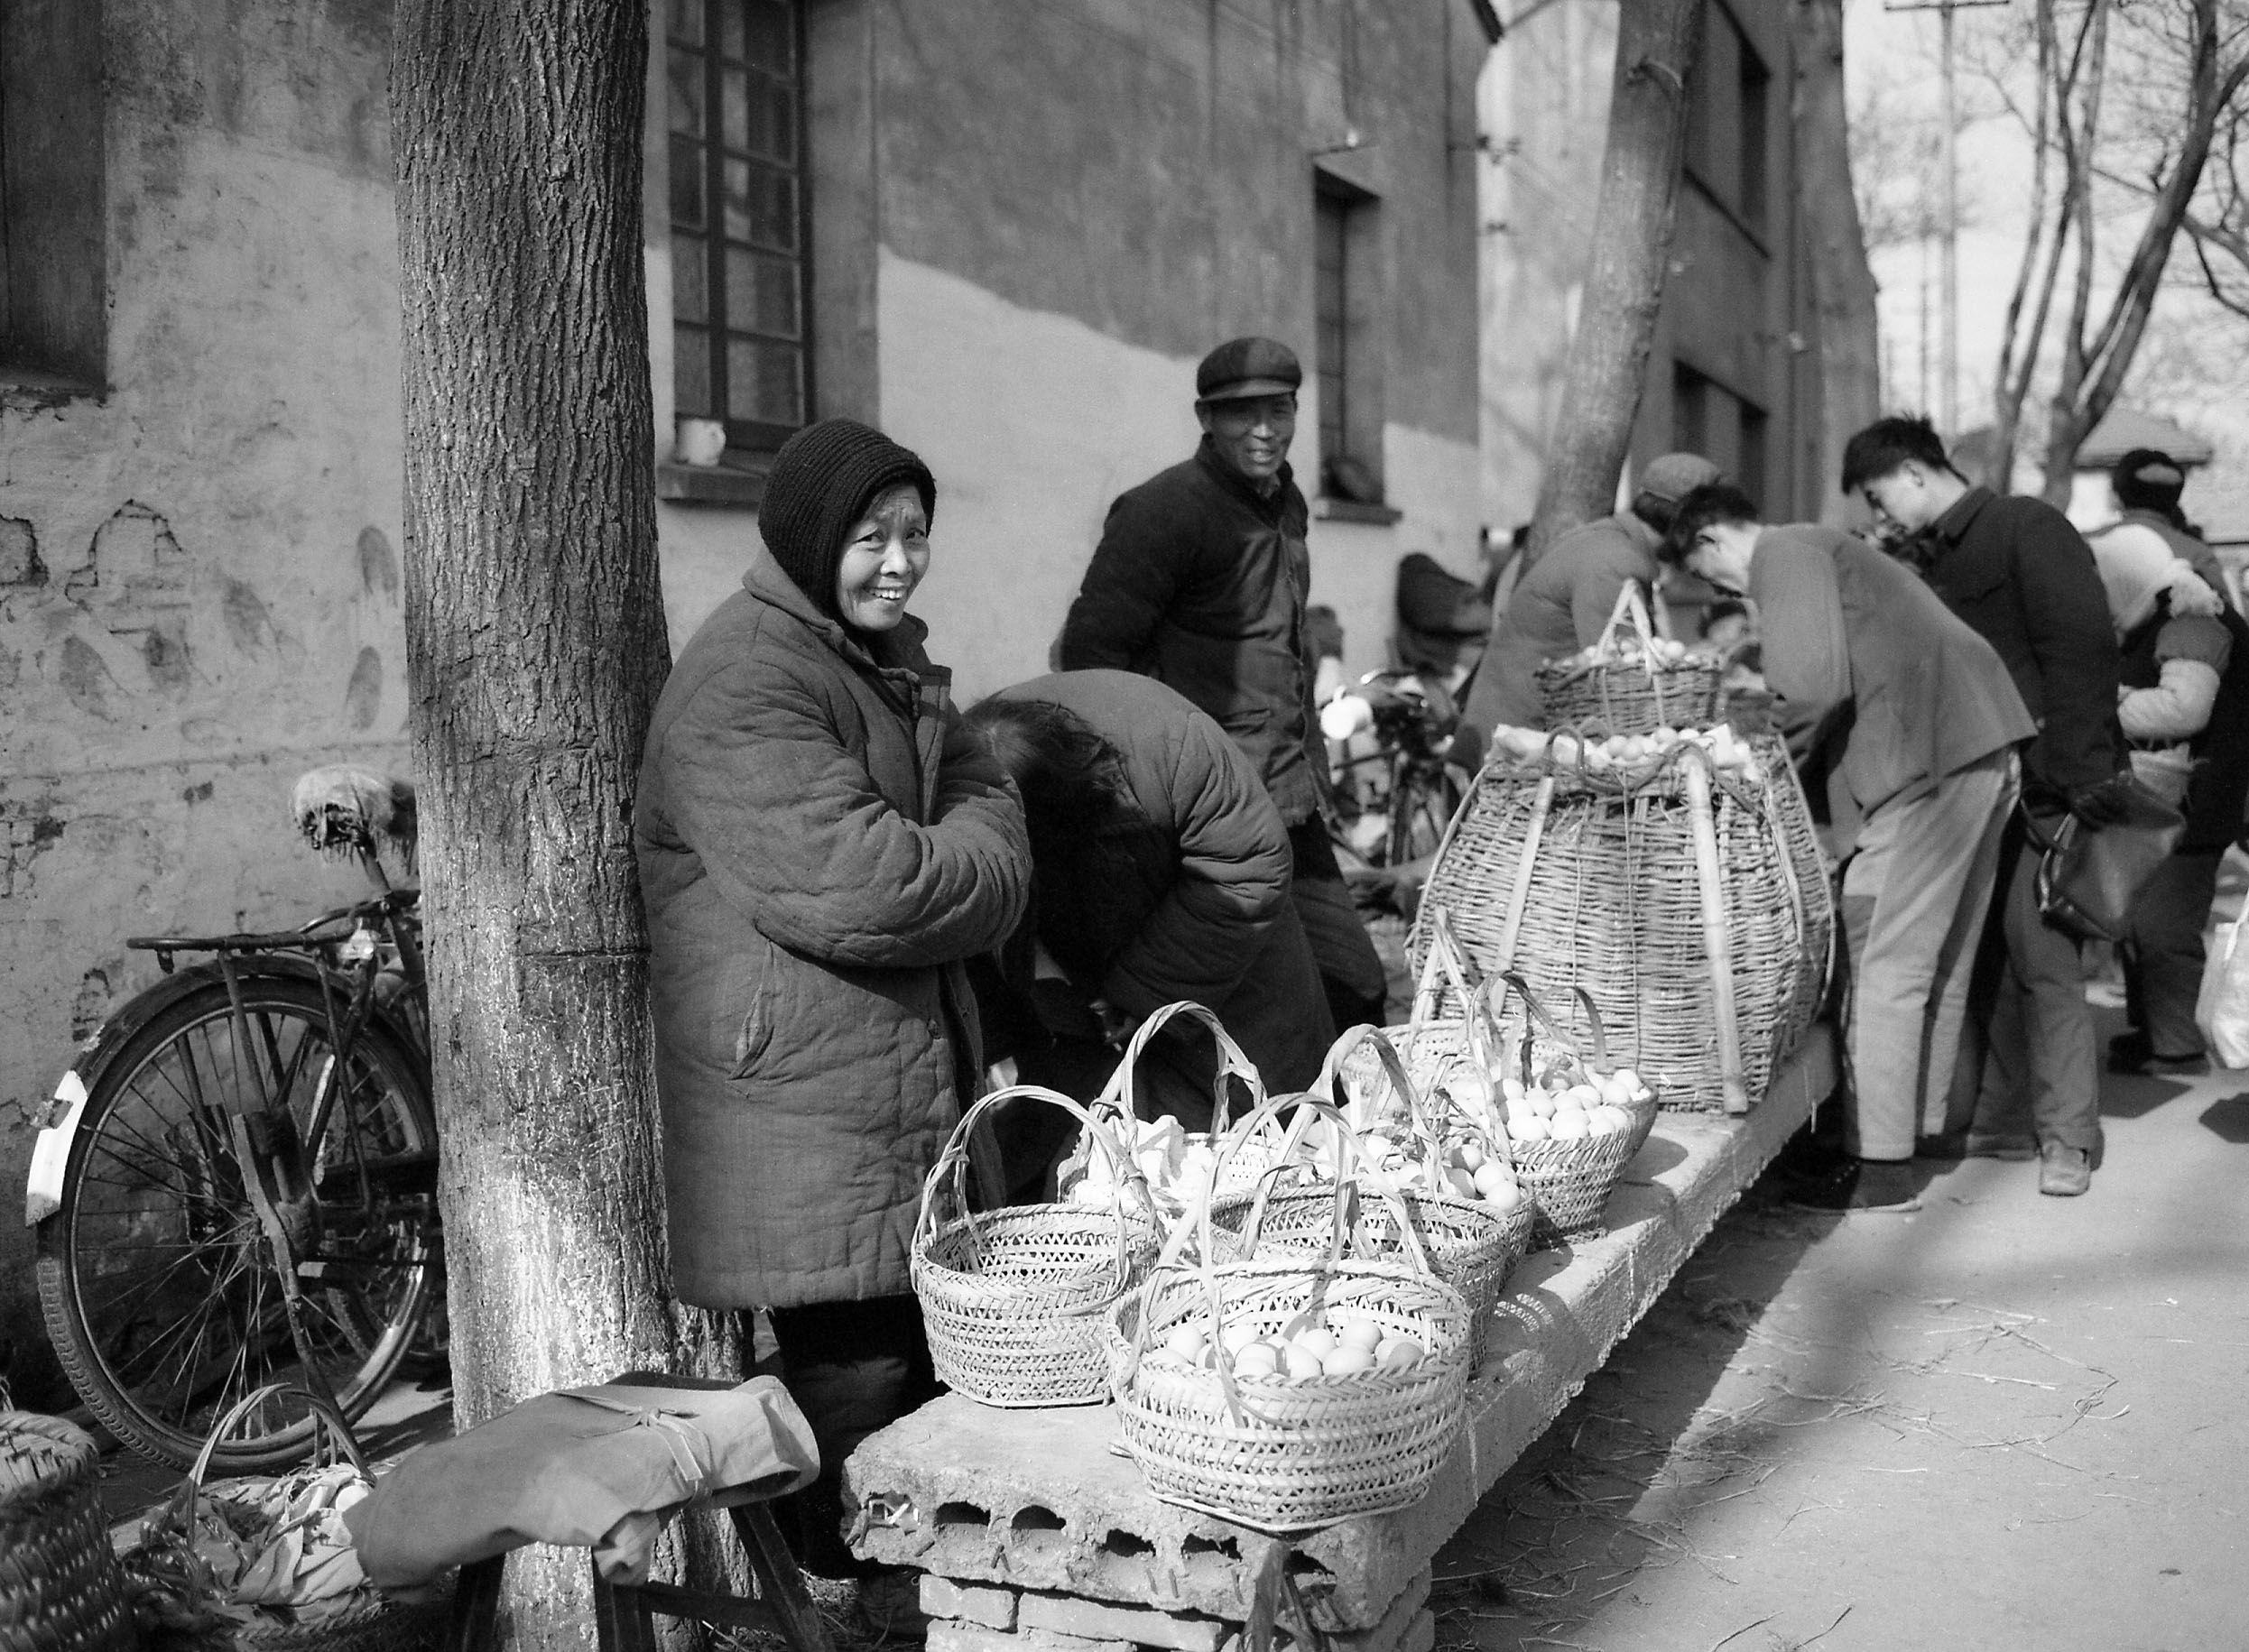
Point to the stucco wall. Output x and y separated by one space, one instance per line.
1735 309
200 590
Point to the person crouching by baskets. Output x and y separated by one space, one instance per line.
1564 599
1160 873
821 845
1916 721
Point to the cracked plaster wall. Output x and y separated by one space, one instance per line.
199 569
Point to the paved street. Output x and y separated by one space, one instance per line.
2006 1421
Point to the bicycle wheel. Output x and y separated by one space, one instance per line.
161 1295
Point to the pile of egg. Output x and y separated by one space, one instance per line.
1353 1349
1569 1104
1601 753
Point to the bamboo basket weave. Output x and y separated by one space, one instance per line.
1271 1453
1569 1181
1680 899
1615 696
1012 1300
1471 1246
60 1590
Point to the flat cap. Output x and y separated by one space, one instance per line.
1673 476
1245 367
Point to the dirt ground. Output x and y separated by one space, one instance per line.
2004 1421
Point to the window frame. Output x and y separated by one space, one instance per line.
1351 429
54 240
749 441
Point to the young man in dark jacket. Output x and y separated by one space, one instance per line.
1200 582
2018 573
1916 722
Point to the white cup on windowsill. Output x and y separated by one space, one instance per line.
699 441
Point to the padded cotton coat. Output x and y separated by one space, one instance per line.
820 845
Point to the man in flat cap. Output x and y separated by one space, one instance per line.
1201 581
1563 600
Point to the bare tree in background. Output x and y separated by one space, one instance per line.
2217 226
536 644
1606 368
2125 99
1843 286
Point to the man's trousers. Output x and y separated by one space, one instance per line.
1914 898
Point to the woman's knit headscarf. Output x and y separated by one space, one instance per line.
823 481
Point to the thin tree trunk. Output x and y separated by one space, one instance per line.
2094 374
535 645
1656 43
1843 285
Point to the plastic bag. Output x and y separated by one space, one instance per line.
2222 1009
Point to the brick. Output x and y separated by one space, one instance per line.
1106 1620
980 1603
945 1637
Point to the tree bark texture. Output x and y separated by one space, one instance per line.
1607 364
1843 285
535 648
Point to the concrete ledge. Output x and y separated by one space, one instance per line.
1043 1499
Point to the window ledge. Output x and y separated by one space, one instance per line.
34 389
714 484
1351 511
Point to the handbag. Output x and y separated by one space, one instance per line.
2088 880
2222 1009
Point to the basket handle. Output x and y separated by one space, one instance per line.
327 1416
1117 1093
951 1170
1630 605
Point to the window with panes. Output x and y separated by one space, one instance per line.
735 70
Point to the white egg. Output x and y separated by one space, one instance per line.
1567 1125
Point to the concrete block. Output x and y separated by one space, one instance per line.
1042 1499
945 1637
979 1603
1104 1620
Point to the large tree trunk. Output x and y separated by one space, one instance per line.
535 645
1843 285
1656 42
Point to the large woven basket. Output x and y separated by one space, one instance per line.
1013 1300
60 1590
1273 1452
1470 1246
1611 695
1680 898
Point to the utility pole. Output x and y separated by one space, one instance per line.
1948 214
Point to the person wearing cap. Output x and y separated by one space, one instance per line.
1565 598
1915 722
823 846
1201 581
2184 706
2016 569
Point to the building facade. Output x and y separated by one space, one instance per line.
1734 372
1003 232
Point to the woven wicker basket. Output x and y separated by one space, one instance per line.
1569 1181
1012 1300
60 1590
1273 1452
364 1620
1610 697
1471 1246
1679 898
1119 1102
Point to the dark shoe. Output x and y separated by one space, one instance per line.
2131 1045
2000 1144
1872 1186
2064 1172
889 1605
2139 1062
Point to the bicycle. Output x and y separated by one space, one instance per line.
1406 788
235 1184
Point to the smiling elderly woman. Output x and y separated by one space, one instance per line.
820 847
